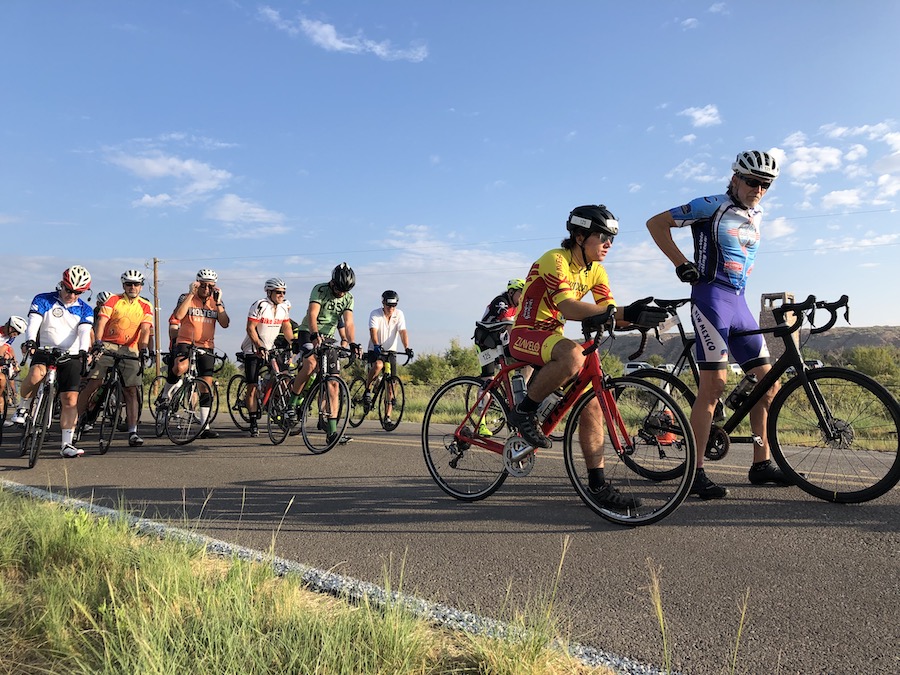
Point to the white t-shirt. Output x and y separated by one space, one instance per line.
387 332
268 318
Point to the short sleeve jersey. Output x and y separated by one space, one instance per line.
726 237
199 324
500 309
553 278
59 323
268 319
387 331
6 350
331 308
124 319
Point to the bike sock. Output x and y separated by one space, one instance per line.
132 430
332 426
596 479
68 435
204 415
25 403
171 378
527 406
295 401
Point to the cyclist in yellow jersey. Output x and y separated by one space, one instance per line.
553 293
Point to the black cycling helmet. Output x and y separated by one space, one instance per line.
343 278
390 298
593 219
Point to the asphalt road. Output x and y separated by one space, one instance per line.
823 579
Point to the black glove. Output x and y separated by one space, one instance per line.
27 346
688 273
98 346
596 322
644 315
295 346
281 342
409 353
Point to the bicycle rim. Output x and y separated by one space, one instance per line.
184 415
357 408
236 400
112 410
464 471
397 403
316 411
278 425
39 427
855 456
655 468
154 392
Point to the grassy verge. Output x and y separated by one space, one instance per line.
80 594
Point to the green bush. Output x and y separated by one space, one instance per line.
438 368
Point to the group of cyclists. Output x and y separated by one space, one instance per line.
726 233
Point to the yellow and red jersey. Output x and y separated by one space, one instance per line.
553 278
125 316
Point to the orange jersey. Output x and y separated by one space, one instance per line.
199 324
553 278
124 320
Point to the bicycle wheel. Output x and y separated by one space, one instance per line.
112 413
851 454
40 424
236 399
357 409
391 393
183 421
316 412
464 471
214 403
656 440
491 413
278 422
154 392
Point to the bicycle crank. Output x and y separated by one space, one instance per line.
718 444
518 456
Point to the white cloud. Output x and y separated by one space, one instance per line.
718 8
707 116
194 179
688 24
691 169
888 185
779 227
810 161
245 219
688 138
634 187
837 198
326 36
796 139
856 152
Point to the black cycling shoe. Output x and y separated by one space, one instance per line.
704 488
526 423
208 433
768 472
609 497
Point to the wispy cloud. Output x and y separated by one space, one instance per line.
244 219
691 169
777 228
326 36
193 180
707 116
842 198
689 24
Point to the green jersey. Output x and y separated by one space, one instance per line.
331 308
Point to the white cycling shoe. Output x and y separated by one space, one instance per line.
69 450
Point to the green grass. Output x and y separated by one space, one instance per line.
80 594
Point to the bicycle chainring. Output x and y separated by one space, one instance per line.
718 444
523 466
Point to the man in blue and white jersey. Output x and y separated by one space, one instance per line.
726 230
59 319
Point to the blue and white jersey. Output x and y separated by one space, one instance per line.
726 237
53 324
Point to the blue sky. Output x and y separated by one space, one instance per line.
438 147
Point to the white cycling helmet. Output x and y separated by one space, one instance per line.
132 275
275 284
76 278
207 275
103 296
17 324
756 163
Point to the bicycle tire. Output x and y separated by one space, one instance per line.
154 391
236 400
398 403
859 459
4 413
40 424
183 416
278 424
111 413
314 415
657 440
358 411
494 417
465 472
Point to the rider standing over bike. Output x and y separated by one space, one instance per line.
387 328
123 326
726 231
267 319
329 302
198 313
553 293
59 319
9 331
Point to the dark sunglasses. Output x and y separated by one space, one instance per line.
606 237
132 283
69 290
752 182
278 292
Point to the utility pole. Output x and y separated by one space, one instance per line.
156 342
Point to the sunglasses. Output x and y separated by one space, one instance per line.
278 292
71 292
604 238
753 183
132 283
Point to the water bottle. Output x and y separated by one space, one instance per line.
548 404
741 391
518 388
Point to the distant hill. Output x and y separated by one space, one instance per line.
835 340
